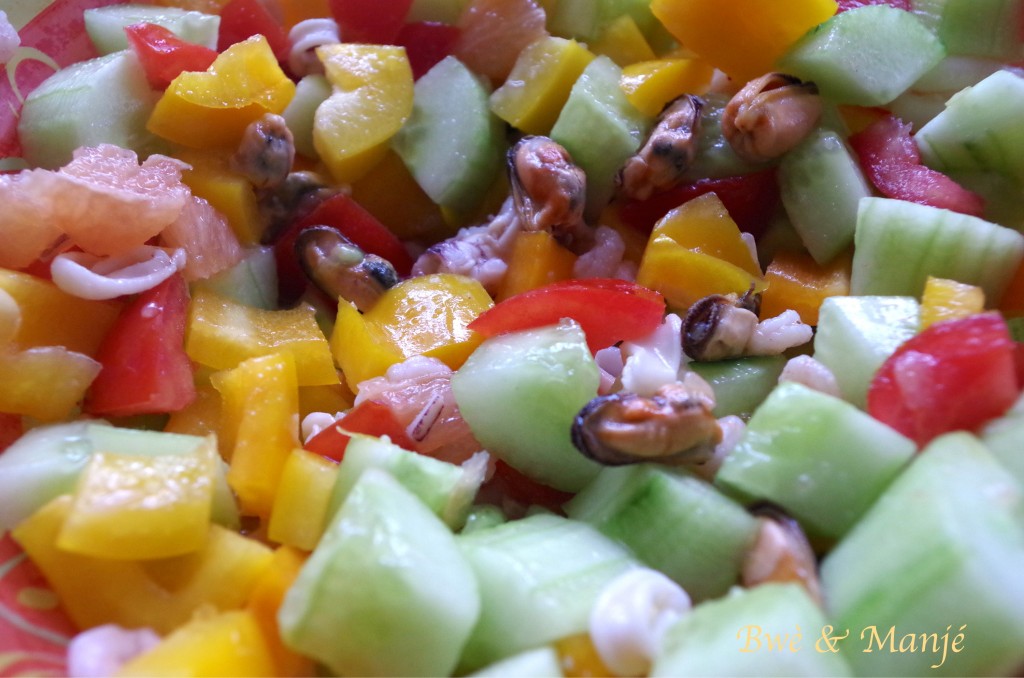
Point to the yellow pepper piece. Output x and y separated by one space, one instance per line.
47 382
372 100
201 417
426 315
539 84
266 600
537 259
231 194
623 42
10 318
212 108
135 507
797 282
331 399
300 507
161 594
226 644
649 85
221 333
744 38
52 317
259 427
697 250
415 216
945 299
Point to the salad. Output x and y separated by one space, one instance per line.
512 337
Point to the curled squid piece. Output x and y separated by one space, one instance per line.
88 276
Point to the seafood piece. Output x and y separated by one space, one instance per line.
770 116
668 151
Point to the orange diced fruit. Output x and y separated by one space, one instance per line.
945 299
797 282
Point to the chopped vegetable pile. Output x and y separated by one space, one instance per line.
512 338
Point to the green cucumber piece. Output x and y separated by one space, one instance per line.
898 244
386 591
575 19
542 662
715 155
596 109
452 143
674 522
114 91
865 56
821 184
1003 437
983 28
441 11
941 553
105 25
520 392
769 630
979 130
741 384
818 457
310 92
1000 192
855 335
482 517
446 489
252 281
47 461
539 578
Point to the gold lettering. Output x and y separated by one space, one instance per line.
890 637
753 634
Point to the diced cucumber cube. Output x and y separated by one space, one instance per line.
865 56
252 281
300 114
740 384
114 91
539 578
984 28
452 143
898 244
939 553
387 590
105 25
979 129
818 457
542 662
597 109
520 393
856 334
1003 437
673 522
769 630
821 184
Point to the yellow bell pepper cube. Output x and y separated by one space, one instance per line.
135 507
542 77
46 383
161 594
797 282
212 108
623 42
372 100
537 259
52 317
201 417
744 38
415 216
212 179
649 85
945 299
259 427
266 600
426 315
300 506
226 644
697 250
221 333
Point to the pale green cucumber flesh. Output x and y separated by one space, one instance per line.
112 88
898 244
452 143
539 578
865 56
386 591
856 334
441 11
520 393
940 553
673 522
446 489
818 457
1003 437
596 109
105 25
740 384
252 281
769 630
542 662
821 184
982 28
310 92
